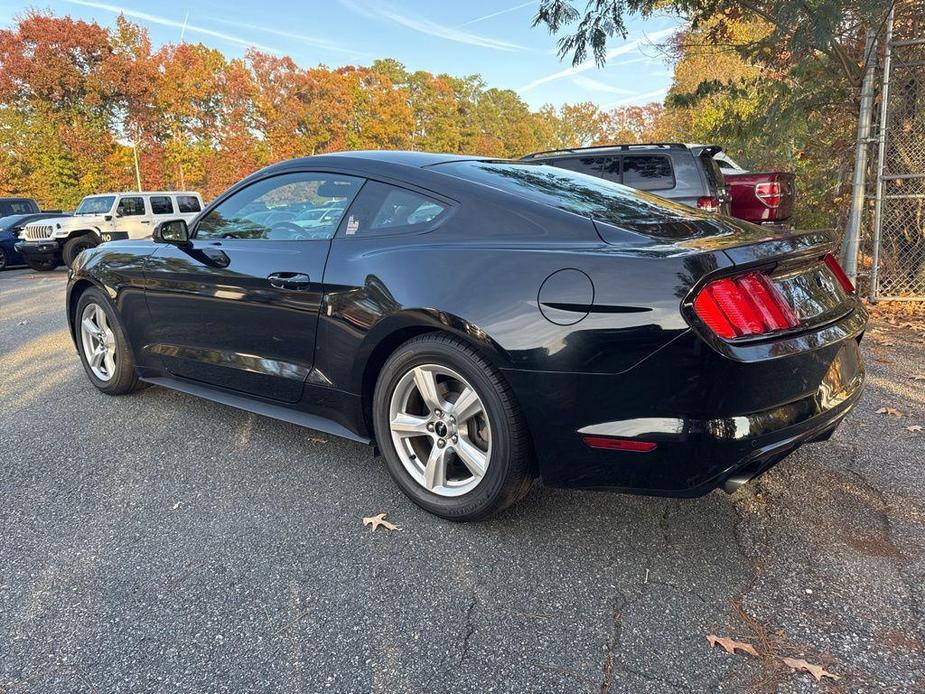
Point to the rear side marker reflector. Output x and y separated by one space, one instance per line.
840 275
610 444
745 305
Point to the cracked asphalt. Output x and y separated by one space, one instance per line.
161 543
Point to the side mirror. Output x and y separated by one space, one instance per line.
119 212
172 231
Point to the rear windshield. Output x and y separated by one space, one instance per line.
588 196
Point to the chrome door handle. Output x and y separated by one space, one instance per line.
289 280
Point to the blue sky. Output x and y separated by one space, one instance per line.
490 37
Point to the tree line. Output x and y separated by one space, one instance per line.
75 96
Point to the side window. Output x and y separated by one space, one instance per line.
585 165
187 204
611 169
131 207
161 204
289 207
648 172
386 209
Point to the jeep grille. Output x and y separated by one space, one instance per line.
38 233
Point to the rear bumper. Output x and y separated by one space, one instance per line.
712 420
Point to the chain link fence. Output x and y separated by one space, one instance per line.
899 247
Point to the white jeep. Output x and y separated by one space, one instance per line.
47 243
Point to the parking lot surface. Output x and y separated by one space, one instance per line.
158 542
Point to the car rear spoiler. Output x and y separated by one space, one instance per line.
709 150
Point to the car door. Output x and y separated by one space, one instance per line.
238 306
133 216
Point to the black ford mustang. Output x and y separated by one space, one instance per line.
485 322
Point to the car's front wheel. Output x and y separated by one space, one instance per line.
4 261
450 430
104 350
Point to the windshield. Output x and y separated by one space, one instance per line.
100 204
575 192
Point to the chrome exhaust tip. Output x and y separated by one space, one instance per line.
734 482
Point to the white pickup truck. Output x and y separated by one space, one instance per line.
47 243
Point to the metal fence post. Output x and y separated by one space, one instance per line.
849 249
881 152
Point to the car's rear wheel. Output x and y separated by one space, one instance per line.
104 350
75 246
4 261
450 430
41 264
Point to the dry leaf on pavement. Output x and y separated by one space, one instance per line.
730 645
816 671
914 428
376 521
918 377
891 411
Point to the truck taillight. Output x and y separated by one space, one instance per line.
840 275
708 204
771 194
746 305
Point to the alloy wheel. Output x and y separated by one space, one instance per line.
99 342
440 430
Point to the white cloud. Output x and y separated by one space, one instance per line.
638 98
598 86
431 28
627 47
499 12
184 26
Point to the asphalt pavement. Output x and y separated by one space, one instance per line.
161 543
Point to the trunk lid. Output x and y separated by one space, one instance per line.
793 261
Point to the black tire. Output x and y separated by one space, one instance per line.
42 264
4 260
75 246
125 378
509 474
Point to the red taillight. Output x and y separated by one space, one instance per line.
745 305
612 444
771 194
840 275
708 204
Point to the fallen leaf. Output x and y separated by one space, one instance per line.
316 439
918 377
885 361
801 665
914 428
376 521
890 411
177 505
885 343
730 645
23 322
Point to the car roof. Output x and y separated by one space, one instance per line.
365 157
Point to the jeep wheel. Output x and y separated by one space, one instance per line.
42 264
104 350
75 246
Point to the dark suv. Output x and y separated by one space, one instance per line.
671 170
